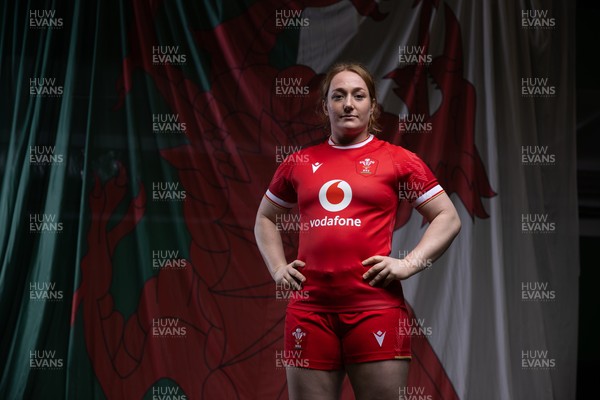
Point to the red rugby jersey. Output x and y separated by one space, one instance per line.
347 198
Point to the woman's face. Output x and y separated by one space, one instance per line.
348 106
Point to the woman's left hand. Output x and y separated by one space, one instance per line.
385 270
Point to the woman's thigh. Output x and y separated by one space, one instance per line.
378 379
314 384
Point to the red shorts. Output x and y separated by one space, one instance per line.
329 340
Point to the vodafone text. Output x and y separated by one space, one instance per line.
335 221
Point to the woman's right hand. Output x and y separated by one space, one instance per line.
289 275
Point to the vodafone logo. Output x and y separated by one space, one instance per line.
335 195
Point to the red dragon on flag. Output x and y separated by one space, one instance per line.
224 296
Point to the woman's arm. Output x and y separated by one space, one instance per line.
444 225
270 245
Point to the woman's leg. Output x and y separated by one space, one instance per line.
314 384
378 379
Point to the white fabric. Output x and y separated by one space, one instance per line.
472 297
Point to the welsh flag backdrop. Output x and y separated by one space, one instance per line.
138 137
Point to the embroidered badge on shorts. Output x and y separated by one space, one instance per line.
298 335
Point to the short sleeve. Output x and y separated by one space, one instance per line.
281 190
416 182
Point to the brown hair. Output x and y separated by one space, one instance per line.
366 76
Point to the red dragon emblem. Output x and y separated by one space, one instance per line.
224 294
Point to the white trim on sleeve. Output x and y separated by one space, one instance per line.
278 201
428 195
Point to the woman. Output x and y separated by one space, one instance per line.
347 195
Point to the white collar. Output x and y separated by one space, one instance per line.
352 146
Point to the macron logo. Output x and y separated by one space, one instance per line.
379 336
316 166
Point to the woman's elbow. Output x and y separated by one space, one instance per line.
455 223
